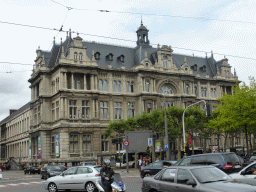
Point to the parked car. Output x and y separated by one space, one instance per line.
154 168
227 162
193 178
31 170
80 178
246 175
52 170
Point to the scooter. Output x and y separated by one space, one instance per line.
117 184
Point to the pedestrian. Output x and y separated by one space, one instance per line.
139 164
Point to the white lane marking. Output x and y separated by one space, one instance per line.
2 186
13 184
24 183
36 182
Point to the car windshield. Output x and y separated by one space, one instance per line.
98 168
252 158
231 158
210 174
54 168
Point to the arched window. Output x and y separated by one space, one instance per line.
80 56
147 86
75 56
195 91
187 89
166 90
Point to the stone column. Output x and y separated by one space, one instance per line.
61 81
97 109
65 81
72 81
154 85
208 90
191 88
96 80
93 108
199 89
92 82
85 86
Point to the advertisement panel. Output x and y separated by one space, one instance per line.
29 150
57 145
39 151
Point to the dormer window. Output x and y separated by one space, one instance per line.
121 58
165 62
80 56
97 56
203 68
110 57
195 67
75 56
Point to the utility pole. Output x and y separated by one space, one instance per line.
183 117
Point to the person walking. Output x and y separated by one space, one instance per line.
139 164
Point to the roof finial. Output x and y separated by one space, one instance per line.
212 53
69 33
53 40
206 54
141 20
61 40
234 72
77 34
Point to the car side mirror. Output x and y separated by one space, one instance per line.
243 172
191 182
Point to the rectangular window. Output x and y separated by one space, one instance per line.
57 109
205 92
187 89
35 116
195 91
39 114
73 145
100 85
147 86
103 110
114 86
165 62
104 144
131 109
53 111
53 145
202 92
128 86
119 86
86 143
85 109
105 85
118 110
149 109
72 109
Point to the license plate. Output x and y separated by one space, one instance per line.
237 166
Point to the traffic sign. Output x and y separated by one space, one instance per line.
150 142
39 152
166 147
126 143
39 157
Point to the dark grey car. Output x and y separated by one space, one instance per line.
193 178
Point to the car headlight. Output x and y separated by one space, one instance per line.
116 188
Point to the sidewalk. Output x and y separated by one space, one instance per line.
132 172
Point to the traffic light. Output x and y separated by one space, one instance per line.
208 110
147 150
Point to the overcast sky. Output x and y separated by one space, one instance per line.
226 27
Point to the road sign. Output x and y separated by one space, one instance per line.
126 143
150 142
39 157
39 152
166 147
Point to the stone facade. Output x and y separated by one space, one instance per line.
78 87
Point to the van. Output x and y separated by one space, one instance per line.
227 162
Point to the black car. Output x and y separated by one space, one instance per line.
227 162
52 170
154 168
32 170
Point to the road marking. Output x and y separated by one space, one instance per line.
2 185
24 183
37 182
13 184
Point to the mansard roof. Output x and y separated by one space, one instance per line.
16 113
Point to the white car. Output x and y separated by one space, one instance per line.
76 178
246 175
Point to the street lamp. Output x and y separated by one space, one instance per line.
166 133
183 117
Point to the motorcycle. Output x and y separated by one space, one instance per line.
117 184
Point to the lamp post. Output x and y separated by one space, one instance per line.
183 117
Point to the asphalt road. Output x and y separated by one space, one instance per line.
16 181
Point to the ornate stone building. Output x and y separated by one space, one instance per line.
79 86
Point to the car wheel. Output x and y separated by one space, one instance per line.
147 175
90 187
133 165
52 187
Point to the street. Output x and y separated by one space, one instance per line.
16 181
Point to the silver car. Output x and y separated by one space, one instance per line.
76 178
193 178
246 175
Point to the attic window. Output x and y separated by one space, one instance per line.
186 69
80 56
97 56
195 67
121 58
203 68
110 57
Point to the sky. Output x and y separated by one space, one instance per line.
224 27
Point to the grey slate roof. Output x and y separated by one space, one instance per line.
132 56
16 113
